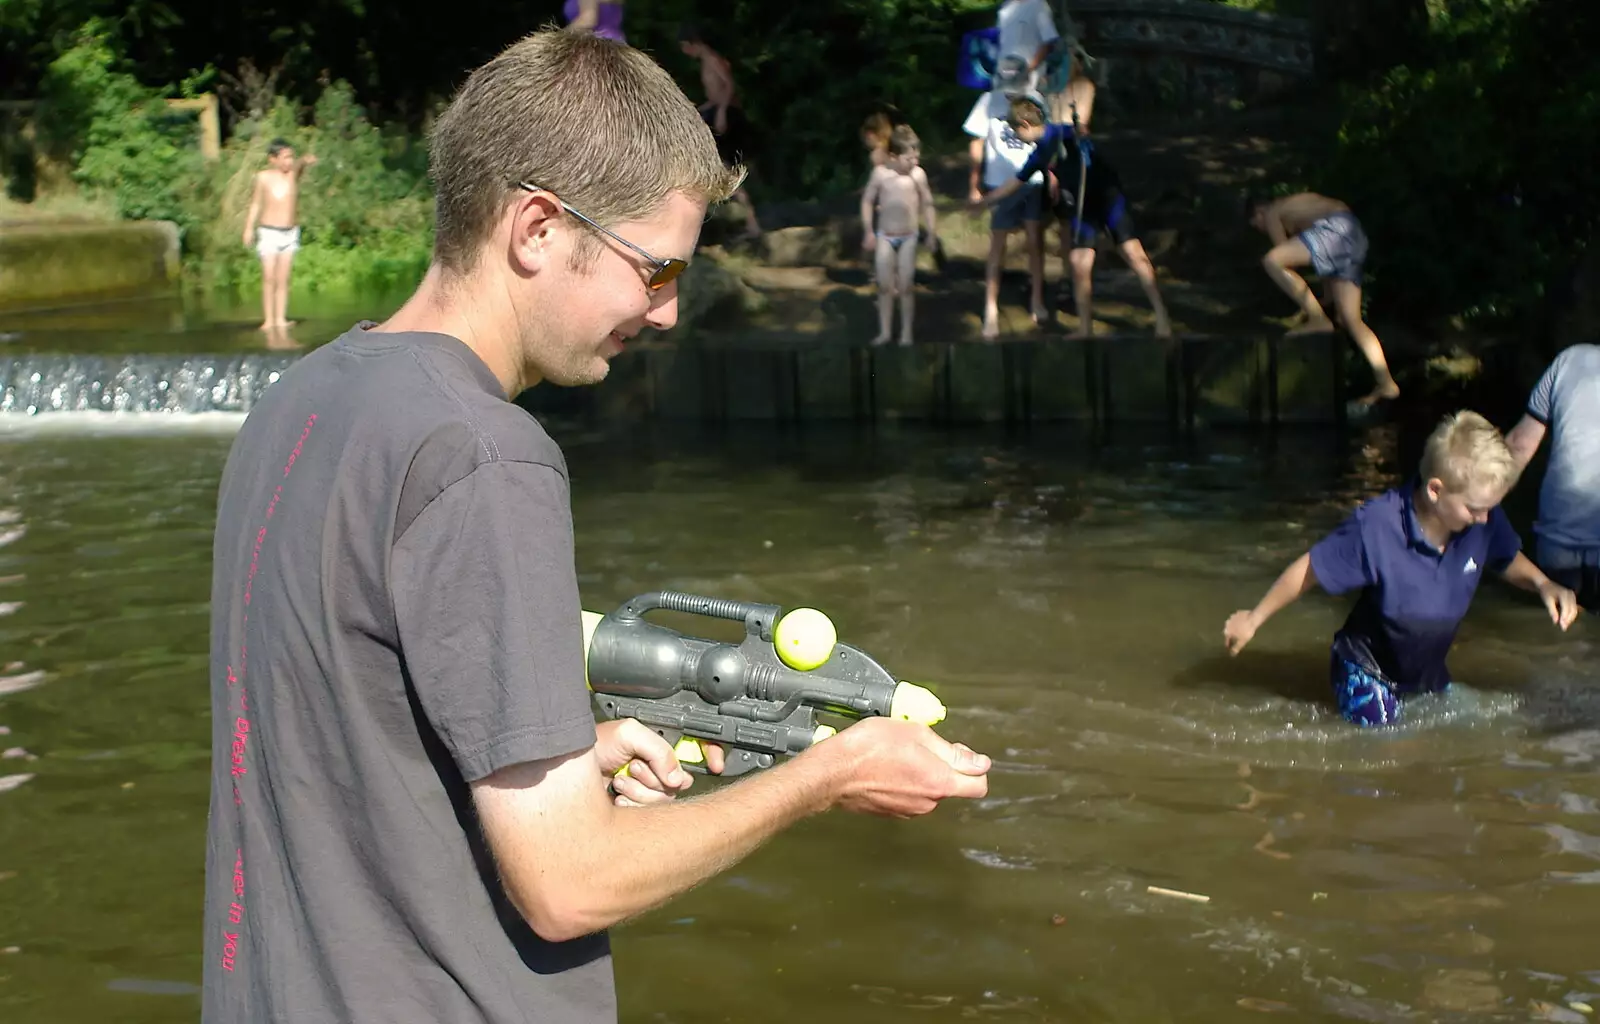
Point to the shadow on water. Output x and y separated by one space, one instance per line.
1299 675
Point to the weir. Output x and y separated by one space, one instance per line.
35 385
1194 382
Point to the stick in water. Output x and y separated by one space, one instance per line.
1196 897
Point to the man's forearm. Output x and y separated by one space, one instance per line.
640 858
1524 440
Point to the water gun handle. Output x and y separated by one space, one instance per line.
762 616
691 753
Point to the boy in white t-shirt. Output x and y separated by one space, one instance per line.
998 153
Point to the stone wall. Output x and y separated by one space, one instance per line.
1200 382
45 266
1189 55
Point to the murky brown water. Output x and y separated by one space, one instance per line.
1067 599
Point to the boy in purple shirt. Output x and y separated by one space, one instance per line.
1416 554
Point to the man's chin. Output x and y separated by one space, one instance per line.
590 373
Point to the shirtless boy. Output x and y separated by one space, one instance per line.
274 207
1313 230
723 112
898 190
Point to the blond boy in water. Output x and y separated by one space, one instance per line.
273 227
898 193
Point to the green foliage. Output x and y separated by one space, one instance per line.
809 74
119 137
365 211
1471 164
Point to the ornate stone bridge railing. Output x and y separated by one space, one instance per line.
1179 55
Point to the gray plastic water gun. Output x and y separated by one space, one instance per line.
758 698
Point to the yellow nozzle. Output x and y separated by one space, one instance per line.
916 704
822 733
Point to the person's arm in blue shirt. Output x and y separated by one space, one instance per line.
1505 557
1338 563
1038 160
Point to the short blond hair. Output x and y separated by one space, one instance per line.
1465 451
598 123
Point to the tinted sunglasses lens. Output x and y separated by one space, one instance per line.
668 272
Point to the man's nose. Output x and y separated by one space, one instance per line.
664 308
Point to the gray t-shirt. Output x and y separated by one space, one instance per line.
1567 401
395 614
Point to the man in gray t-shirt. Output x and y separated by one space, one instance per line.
1566 405
414 816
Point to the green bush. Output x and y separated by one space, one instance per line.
1471 163
119 137
366 213
365 210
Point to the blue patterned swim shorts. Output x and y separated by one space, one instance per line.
1364 694
1338 246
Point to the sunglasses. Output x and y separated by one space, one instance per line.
666 271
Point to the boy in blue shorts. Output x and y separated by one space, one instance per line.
1416 554
1067 161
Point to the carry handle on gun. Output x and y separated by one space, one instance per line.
758 698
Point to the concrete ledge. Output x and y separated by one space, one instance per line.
46 266
1199 381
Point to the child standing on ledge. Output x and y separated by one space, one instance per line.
898 191
274 206
1415 554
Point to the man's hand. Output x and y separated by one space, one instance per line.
246 238
869 242
1561 603
720 122
900 769
654 774
1239 629
976 200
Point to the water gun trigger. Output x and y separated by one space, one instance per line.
689 751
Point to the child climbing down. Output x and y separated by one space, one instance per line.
898 191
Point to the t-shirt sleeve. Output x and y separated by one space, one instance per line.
1340 559
1045 24
1541 401
977 122
1039 159
1504 542
486 602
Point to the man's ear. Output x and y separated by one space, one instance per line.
532 220
1435 489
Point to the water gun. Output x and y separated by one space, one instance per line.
758 699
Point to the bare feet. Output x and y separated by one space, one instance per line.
905 340
1163 328
882 339
991 326
1040 316
1359 407
1313 325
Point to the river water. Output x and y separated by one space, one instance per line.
1064 594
